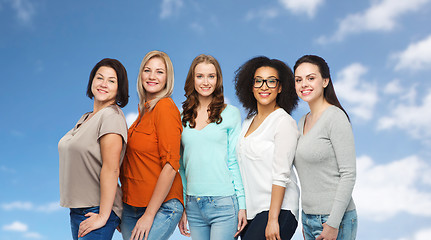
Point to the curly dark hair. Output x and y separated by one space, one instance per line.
286 99
192 97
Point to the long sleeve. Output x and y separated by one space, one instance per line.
286 138
342 140
233 166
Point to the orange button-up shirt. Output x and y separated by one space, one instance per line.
153 141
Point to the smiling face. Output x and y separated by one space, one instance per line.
309 83
205 79
264 95
104 86
153 77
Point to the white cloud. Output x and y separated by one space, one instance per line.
16 227
384 190
29 206
6 169
25 10
393 87
423 234
262 14
412 117
308 7
170 7
130 118
382 15
33 235
197 27
417 56
356 92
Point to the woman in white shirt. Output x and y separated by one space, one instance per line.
266 148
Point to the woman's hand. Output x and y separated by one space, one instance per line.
272 231
328 233
142 227
93 222
182 225
242 221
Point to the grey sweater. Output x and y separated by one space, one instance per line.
326 163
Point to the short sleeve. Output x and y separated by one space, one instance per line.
113 121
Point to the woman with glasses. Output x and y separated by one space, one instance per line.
215 202
325 157
266 148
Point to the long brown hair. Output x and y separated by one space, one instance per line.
192 97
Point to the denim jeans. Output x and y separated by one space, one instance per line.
214 218
103 233
165 221
312 225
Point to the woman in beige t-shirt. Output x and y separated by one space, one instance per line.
91 154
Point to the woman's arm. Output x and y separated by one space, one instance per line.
285 141
233 135
110 147
168 128
163 185
272 231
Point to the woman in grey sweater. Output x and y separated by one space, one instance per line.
325 157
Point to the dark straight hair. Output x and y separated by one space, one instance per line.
329 91
123 83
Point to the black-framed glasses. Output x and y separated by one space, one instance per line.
270 82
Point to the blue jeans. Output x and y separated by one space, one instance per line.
165 221
214 218
105 232
312 225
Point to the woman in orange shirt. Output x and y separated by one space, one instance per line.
151 184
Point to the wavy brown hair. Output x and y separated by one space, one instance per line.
192 97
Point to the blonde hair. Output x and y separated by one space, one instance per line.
169 87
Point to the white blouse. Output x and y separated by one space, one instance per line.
265 158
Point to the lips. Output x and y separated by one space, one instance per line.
306 92
102 91
152 83
264 94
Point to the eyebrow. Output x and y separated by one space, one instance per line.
267 77
104 76
306 75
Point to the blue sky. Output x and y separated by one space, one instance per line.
379 52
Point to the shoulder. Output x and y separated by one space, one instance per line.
231 110
166 105
111 111
336 114
282 116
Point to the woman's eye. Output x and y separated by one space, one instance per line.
311 79
212 76
160 72
297 80
199 76
146 70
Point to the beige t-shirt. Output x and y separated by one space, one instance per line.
81 160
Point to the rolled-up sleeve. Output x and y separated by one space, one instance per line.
168 129
286 139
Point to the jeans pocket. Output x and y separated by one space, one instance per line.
92 209
223 202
